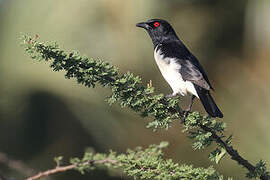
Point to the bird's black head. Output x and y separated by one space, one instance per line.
159 30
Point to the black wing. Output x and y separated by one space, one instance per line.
191 69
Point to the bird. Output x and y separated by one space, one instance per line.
179 67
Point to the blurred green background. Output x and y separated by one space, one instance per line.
43 115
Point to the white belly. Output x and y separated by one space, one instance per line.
170 70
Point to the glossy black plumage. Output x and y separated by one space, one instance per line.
172 55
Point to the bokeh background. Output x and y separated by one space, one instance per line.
43 115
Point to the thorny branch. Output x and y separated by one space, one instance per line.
230 150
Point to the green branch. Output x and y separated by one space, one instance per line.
142 164
128 90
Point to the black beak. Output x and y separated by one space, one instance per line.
142 25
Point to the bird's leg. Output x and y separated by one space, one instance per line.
190 105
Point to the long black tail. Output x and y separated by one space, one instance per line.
208 102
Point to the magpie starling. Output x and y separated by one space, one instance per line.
179 67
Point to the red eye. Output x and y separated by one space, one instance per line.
156 24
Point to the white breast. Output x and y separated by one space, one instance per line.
170 70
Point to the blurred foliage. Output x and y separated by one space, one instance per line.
43 116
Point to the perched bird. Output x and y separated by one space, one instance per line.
179 67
